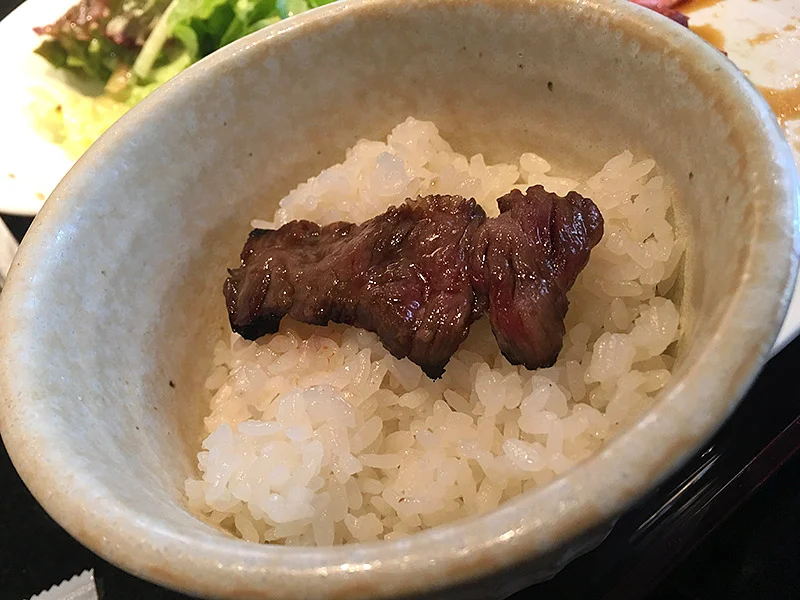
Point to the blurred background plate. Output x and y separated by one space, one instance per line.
762 38
30 165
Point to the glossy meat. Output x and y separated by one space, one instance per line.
420 274
525 261
402 274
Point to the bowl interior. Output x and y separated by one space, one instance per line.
114 327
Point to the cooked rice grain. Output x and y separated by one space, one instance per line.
318 436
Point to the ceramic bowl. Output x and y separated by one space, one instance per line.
115 292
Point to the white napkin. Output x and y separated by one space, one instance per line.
8 247
80 587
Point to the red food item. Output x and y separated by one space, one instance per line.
666 8
421 273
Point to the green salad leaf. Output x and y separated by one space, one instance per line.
127 48
95 38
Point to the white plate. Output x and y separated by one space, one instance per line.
759 36
30 166
763 39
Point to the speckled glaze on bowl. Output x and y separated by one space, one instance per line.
115 296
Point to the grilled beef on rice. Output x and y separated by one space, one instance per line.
420 274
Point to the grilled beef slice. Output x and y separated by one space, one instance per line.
420 274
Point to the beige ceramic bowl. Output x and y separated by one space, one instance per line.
116 289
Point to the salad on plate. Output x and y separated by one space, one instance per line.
118 51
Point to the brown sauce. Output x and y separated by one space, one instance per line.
710 34
693 5
768 36
763 38
785 103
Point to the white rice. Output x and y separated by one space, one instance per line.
318 436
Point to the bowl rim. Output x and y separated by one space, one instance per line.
468 548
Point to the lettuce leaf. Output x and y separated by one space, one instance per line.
130 47
94 38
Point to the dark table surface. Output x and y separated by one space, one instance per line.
726 525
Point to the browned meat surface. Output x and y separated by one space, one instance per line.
402 274
525 261
420 274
